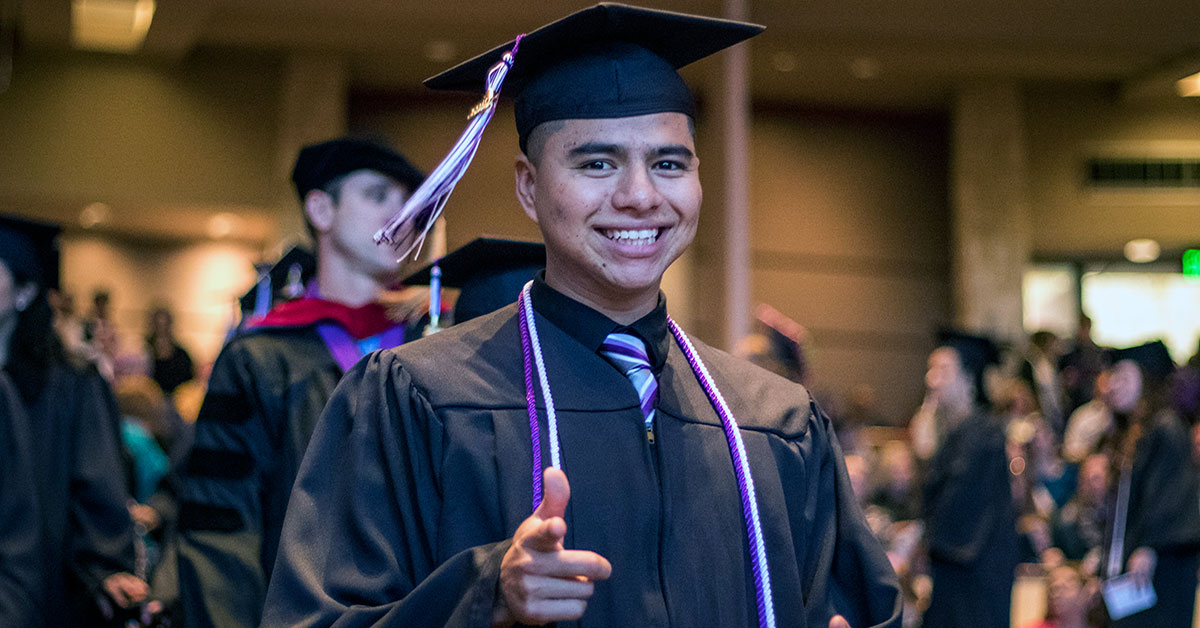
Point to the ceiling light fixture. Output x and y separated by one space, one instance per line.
1188 86
221 225
1142 251
441 51
111 25
93 215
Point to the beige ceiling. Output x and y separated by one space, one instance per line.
912 52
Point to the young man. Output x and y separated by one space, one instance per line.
270 382
413 504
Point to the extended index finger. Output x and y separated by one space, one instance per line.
574 564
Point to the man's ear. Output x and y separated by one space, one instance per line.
319 207
526 181
24 296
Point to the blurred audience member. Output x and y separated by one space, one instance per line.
970 525
1040 371
1067 600
1150 452
88 552
100 331
859 414
170 363
897 491
1077 529
20 549
1080 366
1088 424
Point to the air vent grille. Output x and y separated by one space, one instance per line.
1143 173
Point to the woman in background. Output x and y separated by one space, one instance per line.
87 543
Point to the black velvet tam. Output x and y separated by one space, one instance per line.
318 164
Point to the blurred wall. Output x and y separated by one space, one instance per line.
1065 128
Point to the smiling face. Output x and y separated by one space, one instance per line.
617 200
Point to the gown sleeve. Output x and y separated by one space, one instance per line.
102 538
848 572
222 579
359 543
19 550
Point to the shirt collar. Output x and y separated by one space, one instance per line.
590 327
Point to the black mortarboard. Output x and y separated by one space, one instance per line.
30 250
1153 358
606 61
282 281
319 164
975 353
785 338
489 271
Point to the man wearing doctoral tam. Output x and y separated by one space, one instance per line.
271 381
582 404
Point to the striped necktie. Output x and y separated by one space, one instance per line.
628 353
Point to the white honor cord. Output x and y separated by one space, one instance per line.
543 380
760 547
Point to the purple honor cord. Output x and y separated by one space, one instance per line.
737 450
407 229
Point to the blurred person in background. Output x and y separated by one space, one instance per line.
1066 599
970 524
1077 529
1040 371
1090 422
170 364
20 532
87 550
1150 452
271 381
1080 366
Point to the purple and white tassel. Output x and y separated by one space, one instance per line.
406 230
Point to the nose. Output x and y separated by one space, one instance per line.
636 191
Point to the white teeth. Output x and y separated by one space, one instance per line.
632 236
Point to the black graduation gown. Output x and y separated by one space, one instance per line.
421 469
87 533
1164 515
265 394
20 534
970 528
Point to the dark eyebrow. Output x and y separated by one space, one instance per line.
595 148
674 150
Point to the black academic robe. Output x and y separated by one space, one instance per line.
421 470
87 533
266 391
970 528
20 532
1164 515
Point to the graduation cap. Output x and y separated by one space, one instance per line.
318 164
606 61
785 341
490 273
1152 358
975 354
282 281
30 250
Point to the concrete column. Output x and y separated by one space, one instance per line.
991 216
312 108
733 105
